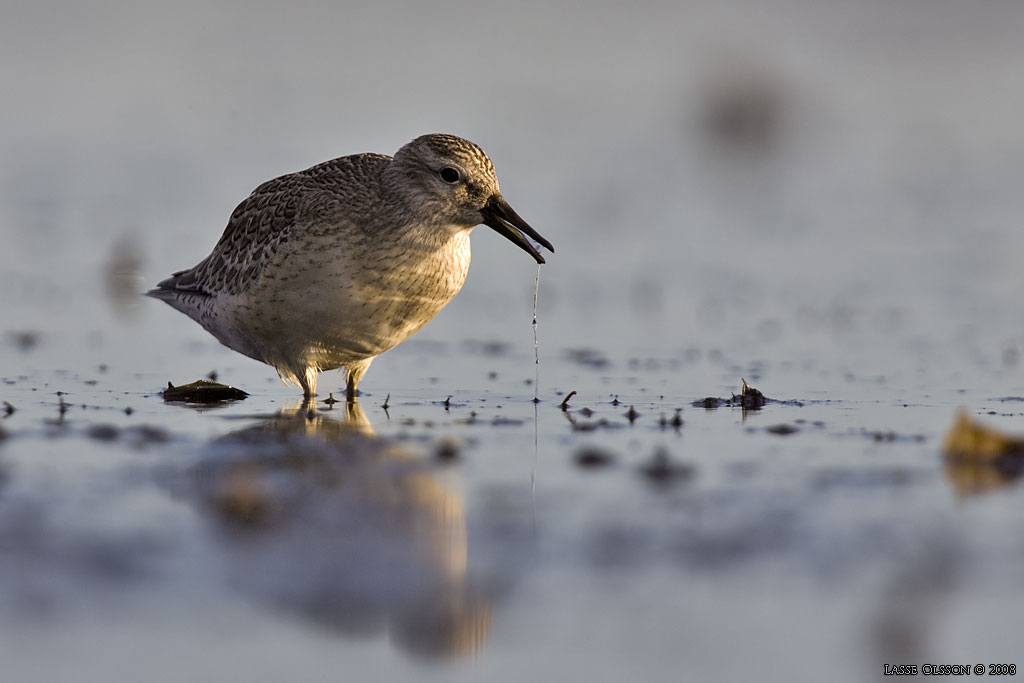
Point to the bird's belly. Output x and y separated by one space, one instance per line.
335 314
361 326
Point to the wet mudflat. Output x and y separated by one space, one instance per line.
833 220
483 532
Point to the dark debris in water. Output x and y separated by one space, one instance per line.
591 457
146 435
588 357
662 470
103 432
447 450
749 398
782 429
593 425
890 436
202 391
675 422
710 403
564 405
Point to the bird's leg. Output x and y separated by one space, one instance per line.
308 383
355 372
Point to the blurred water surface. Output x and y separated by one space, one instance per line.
821 198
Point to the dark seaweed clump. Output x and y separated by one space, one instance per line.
749 398
202 391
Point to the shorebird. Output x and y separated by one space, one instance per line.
332 266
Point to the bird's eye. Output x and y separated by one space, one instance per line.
450 175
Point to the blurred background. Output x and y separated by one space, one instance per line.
780 170
821 197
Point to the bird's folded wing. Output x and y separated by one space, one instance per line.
259 226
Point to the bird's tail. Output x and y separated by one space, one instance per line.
179 284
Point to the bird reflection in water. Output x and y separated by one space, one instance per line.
320 518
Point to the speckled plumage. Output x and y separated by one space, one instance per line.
333 265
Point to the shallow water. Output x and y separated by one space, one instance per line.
824 205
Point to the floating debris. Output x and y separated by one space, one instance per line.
591 457
564 405
663 471
147 435
749 398
103 432
588 357
782 429
202 391
676 421
891 436
974 441
980 458
709 403
447 450
603 423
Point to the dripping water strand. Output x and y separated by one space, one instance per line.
536 344
536 401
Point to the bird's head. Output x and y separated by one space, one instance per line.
450 182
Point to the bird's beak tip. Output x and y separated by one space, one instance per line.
498 215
